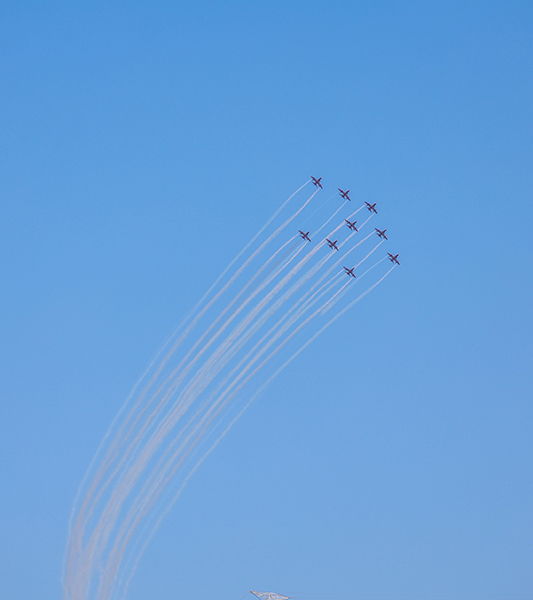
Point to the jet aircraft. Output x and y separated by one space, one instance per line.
316 182
351 224
332 245
344 194
349 272
394 258
381 234
371 207
304 236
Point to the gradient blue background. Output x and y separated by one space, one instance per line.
142 145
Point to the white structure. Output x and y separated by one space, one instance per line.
269 596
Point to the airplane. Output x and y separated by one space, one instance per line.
305 236
344 194
394 258
316 182
351 225
349 272
371 207
381 234
332 245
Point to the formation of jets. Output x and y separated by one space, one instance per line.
349 272
351 226
316 182
344 194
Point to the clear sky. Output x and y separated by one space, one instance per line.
142 145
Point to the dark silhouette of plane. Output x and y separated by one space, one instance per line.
332 245
344 194
349 272
381 234
394 258
371 207
316 182
351 225
305 236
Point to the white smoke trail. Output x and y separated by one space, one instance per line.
318 208
238 273
148 424
269 380
102 535
327 308
331 218
169 423
113 451
127 527
110 454
248 245
372 267
152 527
163 475
302 348
161 472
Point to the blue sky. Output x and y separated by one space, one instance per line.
143 144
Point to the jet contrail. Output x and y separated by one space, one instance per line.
195 388
289 360
171 464
171 461
248 245
223 327
257 251
331 218
240 270
318 208
362 275
302 348
184 372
